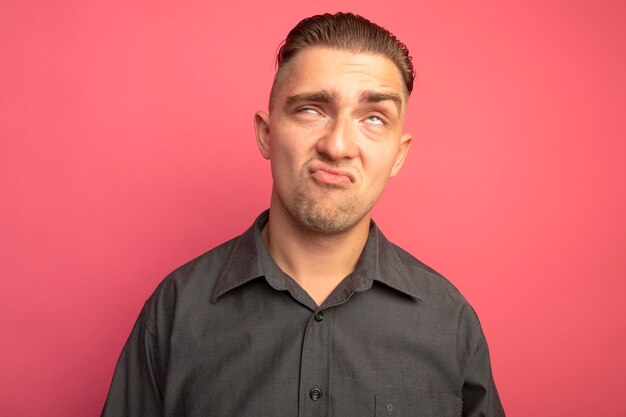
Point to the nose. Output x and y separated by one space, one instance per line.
338 141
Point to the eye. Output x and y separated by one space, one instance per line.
375 120
310 110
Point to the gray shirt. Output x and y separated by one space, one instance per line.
229 334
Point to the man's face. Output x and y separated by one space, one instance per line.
334 137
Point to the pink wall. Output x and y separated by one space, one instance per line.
126 149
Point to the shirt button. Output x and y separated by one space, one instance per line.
319 316
315 394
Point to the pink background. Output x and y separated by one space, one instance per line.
127 149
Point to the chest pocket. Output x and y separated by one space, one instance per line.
417 407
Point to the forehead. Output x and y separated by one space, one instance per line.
342 71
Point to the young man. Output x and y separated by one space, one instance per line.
312 312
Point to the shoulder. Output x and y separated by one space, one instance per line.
427 281
204 268
442 298
192 281
436 291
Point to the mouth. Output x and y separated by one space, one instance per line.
328 175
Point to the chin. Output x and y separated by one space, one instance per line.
324 215
328 221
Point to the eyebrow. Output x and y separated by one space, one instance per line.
322 96
369 96
325 96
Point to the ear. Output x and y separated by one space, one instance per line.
262 131
405 142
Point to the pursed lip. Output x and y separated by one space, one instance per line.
320 166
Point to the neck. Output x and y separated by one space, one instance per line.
317 262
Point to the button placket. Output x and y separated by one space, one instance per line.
314 367
319 316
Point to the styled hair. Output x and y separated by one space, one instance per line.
345 31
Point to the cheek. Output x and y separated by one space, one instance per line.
286 158
282 152
379 162
291 145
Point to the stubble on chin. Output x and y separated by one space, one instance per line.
322 215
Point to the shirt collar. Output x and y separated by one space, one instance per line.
380 261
